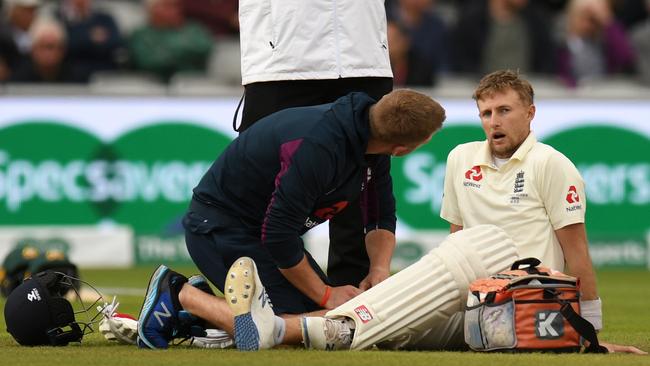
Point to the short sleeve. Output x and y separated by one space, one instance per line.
449 209
563 191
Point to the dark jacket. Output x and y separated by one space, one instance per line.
472 29
86 53
27 72
9 53
292 171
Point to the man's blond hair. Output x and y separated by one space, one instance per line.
502 80
405 117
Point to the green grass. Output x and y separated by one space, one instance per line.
626 306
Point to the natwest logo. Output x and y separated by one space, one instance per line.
573 196
474 173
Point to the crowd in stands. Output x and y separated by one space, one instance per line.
68 41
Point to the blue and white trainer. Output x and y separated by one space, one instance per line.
159 313
254 318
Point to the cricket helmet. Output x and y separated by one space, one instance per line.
39 311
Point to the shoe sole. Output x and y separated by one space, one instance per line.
148 303
239 293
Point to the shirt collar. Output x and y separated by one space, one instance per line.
483 156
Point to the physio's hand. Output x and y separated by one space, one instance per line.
617 348
340 295
375 276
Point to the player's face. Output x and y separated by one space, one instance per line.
506 121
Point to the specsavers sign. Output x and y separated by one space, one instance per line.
107 164
133 162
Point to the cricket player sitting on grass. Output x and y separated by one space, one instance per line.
528 189
286 174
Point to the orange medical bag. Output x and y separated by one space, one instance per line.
528 308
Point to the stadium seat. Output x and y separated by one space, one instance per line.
224 65
125 83
617 87
198 85
40 89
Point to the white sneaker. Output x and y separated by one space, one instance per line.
326 334
251 307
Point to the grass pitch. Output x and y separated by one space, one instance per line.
626 302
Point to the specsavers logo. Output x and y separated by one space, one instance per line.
51 173
98 180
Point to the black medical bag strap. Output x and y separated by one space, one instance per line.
531 262
583 327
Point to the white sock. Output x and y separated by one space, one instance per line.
280 329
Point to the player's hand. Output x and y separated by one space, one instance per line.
340 295
373 278
617 348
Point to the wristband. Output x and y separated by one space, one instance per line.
326 296
592 311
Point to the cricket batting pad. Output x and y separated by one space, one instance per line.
424 296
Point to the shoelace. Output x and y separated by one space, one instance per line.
338 331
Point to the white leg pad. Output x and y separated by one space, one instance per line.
406 306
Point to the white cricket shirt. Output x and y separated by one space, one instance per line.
536 192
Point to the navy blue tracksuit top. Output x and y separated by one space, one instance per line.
294 170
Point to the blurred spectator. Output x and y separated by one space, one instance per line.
407 69
630 12
426 35
5 70
168 43
641 41
553 6
93 39
46 64
503 34
595 43
15 41
221 17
